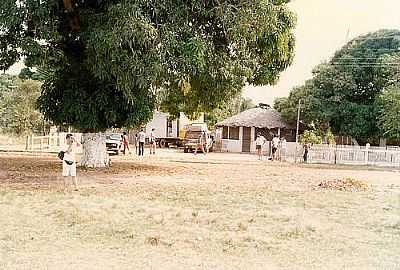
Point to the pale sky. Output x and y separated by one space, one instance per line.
323 27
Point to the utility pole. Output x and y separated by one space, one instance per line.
297 130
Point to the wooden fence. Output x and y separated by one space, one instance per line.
355 155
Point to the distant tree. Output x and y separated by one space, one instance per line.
106 62
18 110
342 93
389 119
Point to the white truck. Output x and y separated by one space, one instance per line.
170 131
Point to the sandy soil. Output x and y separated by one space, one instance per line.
180 211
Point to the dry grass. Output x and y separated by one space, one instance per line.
196 215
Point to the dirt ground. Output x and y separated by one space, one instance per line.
180 211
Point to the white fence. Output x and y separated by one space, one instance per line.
33 143
49 143
355 155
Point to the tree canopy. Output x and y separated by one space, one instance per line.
228 109
343 93
108 63
18 113
389 120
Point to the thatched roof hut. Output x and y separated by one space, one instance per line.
260 117
239 132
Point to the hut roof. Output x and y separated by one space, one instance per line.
257 117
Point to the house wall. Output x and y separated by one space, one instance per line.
235 146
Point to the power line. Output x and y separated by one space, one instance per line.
391 36
355 65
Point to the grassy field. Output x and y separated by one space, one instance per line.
177 211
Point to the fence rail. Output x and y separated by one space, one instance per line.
356 155
33 143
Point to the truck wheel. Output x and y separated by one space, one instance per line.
162 143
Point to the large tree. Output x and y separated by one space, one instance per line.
343 92
107 63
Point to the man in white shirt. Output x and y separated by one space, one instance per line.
260 141
142 140
275 146
69 162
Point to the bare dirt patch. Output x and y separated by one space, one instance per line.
176 211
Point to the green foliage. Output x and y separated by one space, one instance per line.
107 63
389 120
310 136
342 93
27 73
230 108
18 111
330 137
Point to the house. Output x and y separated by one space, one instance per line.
239 132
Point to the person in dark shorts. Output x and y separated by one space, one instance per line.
306 147
260 141
275 145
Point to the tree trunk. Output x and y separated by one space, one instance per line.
94 150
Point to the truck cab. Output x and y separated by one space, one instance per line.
192 134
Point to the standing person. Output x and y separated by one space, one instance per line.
142 140
202 141
275 145
306 147
69 162
135 143
283 147
125 142
260 141
152 142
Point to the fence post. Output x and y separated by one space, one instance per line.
335 152
366 153
27 143
32 142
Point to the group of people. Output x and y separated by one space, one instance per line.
278 147
69 159
139 142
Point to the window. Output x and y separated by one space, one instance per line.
264 132
225 133
233 133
